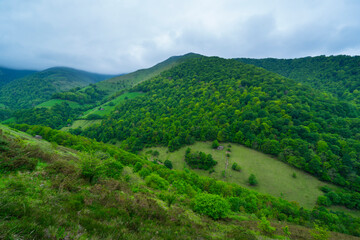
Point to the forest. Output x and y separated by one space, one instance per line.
212 98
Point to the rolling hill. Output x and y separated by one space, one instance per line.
7 75
40 86
104 192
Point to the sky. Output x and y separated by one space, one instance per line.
121 36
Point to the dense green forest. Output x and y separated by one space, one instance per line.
106 192
33 89
339 75
7 75
213 98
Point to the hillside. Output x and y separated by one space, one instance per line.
212 98
105 192
38 87
339 75
115 84
7 75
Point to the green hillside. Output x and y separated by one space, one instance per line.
104 192
38 87
275 177
7 75
339 75
213 98
115 84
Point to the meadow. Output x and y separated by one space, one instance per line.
274 177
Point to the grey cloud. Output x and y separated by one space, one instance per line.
113 36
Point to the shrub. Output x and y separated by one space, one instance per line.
323 201
168 164
236 167
252 180
319 233
235 203
211 205
111 168
265 227
156 182
137 167
144 172
215 144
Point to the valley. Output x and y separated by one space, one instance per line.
300 143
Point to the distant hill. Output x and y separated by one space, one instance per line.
118 83
7 75
339 75
40 86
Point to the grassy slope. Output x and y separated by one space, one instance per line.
275 177
81 123
107 108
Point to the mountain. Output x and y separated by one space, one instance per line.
338 75
204 99
115 84
77 188
7 75
40 86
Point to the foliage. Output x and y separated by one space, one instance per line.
106 196
319 233
211 98
156 182
335 74
252 180
40 86
215 144
199 160
236 167
265 227
168 164
211 205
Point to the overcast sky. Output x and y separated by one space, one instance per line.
118 36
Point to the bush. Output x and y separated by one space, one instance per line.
144 172
211 205
319 233
156 182
236 167
235 203
252 180
111 168
215 144
168 164
324 201
137 167
265 227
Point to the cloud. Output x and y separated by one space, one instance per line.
112 36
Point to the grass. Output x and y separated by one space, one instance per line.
53 102
9 120
107 108
274 177
81 123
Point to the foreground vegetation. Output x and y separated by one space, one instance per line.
97 201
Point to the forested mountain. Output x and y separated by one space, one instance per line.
77 188
38 87
115 84
213 98
7 75
339 75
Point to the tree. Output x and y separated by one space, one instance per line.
236 167
211 205
215 144
252 180
168 164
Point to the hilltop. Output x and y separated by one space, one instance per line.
38 87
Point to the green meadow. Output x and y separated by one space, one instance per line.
109 106
81 123
274 177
